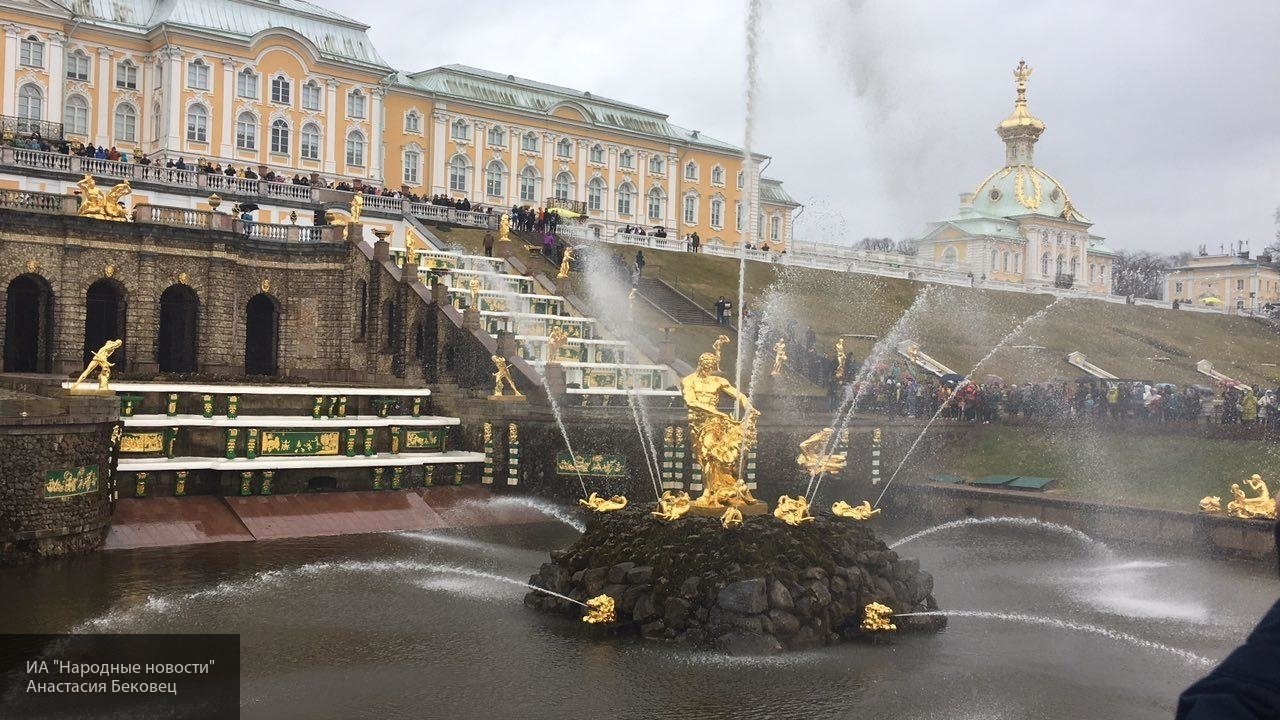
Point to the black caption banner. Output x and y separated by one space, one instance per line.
169 677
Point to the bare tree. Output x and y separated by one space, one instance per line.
907 246
1139 273
876 244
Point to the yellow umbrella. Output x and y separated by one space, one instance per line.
564 212
1211 300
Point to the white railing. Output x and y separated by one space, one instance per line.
231 184
379 202
110 168
267 231
39 159
180 217
289 190
38 202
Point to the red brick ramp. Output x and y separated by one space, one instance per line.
345 513
164 522
463 506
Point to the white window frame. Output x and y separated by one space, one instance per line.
626 199
356 104
497 136
75 118
247 82
595 194
246 131
564 148
563 187
413 122
529 142
281 90
310 139
494 176
411 160
689 209
356 149
75 59
197 128
311 87
458 167
775 229
656 165
460 130
126 75
691 171
717 175
31 106
31 52
280 138
627 160
198 74
597 154
717 213
657 203
739 219
124 126
529 184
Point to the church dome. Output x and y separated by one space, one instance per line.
1022 190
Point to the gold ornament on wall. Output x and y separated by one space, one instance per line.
99 205
32 266
182 278
109 270
266 286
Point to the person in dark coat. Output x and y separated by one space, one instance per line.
1245 686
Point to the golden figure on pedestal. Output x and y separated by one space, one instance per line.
718 440
100 362
600 609
95 204
854 512
779 357
840 359
877 618
1261 506
357 207
556 340
814 457
793 511
410 249
504 228
732 518
473 287
502 376
673 505
564 263
599 504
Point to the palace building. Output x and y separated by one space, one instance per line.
1019 225
290 86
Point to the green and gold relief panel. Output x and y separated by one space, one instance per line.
424 440
291 442
71 481
603 465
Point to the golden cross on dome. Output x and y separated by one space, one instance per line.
1022 73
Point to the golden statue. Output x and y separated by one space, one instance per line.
673 506
503 376
599 504
100 362
600 609
473 287
1261 506
877 618
95 204
840 359
1211 504
779 357
854 512
792 511
718 347
357 207
732 518
718 440
814 456
504 228
556 340
332 219
564 263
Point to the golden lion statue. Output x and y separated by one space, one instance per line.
599 504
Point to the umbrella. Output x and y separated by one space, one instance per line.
1211 300
952 379
248 207
564 212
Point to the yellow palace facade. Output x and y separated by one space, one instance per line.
296 88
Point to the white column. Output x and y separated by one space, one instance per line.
672 201
610 199
439 163
640 206
11 43
513 168
102 128
375 141
146 133
171 84
228 111
548 179
57 76
478 130
581 147
332 133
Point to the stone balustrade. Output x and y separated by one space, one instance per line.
39 202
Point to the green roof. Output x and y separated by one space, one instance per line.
771 192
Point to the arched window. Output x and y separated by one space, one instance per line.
310 141
1007 259
1075 263
494 174
156 125
739 217
690 209
655 164
626 198
529 143
412 162
564 148
1102 273
1044 264
1017 262
355 148
657 202
950 256
30 103
458 173
595 193
497 136
281 90
126 75
564 187
197 123
279 137
31 53
741 179
198 75
775 229
528 184
717 175
355 104
691 170
126 129
311 95
1093 272
247 84
78 66
75 115
597 154
460 130
247 131
626 160
717 213
995 256
1058 265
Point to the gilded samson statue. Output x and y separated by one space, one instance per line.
95 204
718 439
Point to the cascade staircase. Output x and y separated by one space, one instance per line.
673 303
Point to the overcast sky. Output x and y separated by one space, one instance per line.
1161 116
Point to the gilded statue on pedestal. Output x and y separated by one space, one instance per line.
779 357
410 249
600 609
1261 506
100 362
814 457
599 504
854 512
504 228
792 511
473 287
673 505
877 618
732 518
502 376
556 340
357 207
95 204
718 440
840 360
564 263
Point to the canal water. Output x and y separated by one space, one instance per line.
371 627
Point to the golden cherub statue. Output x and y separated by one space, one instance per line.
95 204
564 263
556 340
410 249
854 512
732 518
779 357
814 457
717 439
1211 504
599 504
100 362
1261 506
792 511
840 359
503 376
673 506
718 346
504 228
877 618
600 609
357 207
473 287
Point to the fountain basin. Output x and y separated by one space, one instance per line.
765 587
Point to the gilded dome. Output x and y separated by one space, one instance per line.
1021 190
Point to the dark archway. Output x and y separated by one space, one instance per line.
179 328
28 326
261 335
105 304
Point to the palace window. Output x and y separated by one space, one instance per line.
30 103
78 66
279 137
595 194
691 171
529 184
31 52
126 129
157 126
950 256
1177 288
311 96
412 122
1074 264
247 84
1093 271
1007 260
126 75
309 141
494 172
412 166
355 104
281 90
655 164
626 197
75 115
741 179
597 154
657 201
717 213
1240 284
460 130
564 187
690 209
626 160
739 220
197 124
564 148
497 136
247 131
529 143
355 148
995 256
1044 264
717 175
458 173
197 75
775 229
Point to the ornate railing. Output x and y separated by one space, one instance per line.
20 127
574 205
39 202
289 190
173 216
379 202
